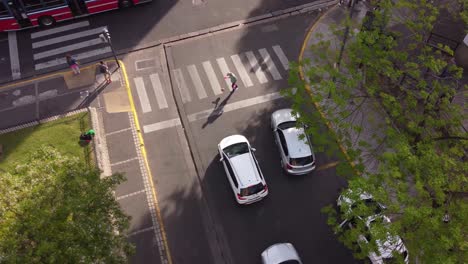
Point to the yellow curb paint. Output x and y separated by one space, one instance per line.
145 157
44 77
309 90
328 165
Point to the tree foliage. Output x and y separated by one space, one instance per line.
417 144
54 209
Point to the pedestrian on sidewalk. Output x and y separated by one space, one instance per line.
104 69
73 63
233 80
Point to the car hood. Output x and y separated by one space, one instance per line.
283 115
244 165
278 253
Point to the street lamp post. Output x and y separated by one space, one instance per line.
105 37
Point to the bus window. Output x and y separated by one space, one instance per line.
53 3
32 5
3 10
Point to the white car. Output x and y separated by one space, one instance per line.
297 156
281 253
386 249
242 169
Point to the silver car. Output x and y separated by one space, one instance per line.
281 253
297 156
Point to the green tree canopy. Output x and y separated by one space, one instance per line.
54 209
417 143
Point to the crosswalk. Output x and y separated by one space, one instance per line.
200 81
78 39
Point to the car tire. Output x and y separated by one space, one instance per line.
125 3
46 21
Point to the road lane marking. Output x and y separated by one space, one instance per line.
224 69
142 95
141 231
256 67
130 194
270 65
196 81
241 70
212 77
281 56
153 204
158 91
94 31
124 161
162 125
59 29
14 57
64 49
179 78
204 114
118 131
80 56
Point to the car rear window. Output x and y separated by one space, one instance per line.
301 161
252 189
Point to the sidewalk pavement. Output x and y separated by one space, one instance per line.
366 113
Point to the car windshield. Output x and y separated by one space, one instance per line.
291 261
252 189
301 161
236 149
286 125
370 204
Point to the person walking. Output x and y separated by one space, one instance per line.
233 80
104 69
73 64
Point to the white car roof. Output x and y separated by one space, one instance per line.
297 147
283 115
228 141
245 169
280 252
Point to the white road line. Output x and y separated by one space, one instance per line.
65 49
161 125
64 38
142 95
130 195
281 56
225 70
196 81
124 161
59 29
179 78
118 131
80 56
141 231
158 91
256 67
14 57
237 105
241 70
212 77
270 65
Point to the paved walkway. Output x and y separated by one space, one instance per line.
365 113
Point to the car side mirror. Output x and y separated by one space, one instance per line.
253 149
221 159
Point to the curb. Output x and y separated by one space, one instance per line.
101 150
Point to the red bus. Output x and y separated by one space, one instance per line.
19 14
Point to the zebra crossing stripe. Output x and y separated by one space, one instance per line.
64 49
56 40
196 81
281 56
158 91
59 29
212 77
179 78
80 56
142 95
224 69
241 70
256 67
270 65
